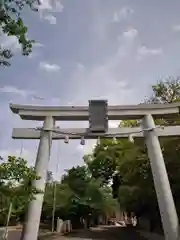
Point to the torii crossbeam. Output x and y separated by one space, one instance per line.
49 132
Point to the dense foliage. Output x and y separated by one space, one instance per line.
11 24
15 187
128 166
79 196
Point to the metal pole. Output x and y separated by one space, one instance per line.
31 226
167 208
55 187
7 221
21 149
54 206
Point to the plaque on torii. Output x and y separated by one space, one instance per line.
98 113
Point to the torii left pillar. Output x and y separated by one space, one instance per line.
31 226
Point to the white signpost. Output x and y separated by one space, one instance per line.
98 113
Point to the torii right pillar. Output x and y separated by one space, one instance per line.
167 208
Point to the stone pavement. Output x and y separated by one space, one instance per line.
101 233
105 233
112 233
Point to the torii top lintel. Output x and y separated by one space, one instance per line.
80 113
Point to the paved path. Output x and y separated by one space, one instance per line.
102 233
106 233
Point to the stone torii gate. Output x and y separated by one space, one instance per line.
98 114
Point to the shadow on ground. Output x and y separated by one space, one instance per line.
109 233
99 233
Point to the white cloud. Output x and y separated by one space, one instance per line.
115 17
87 148
107 79
104 80
29 156
38 45
50 18
114 124
130 34
45 5
123 14
32 55
49 67
50 6
80 66
46 100
56 101
126 41
58 7
9 42
144 52
176 28
14 90
35 50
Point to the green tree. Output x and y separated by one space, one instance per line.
106 155
129 167
138 185
15 185
11 24
49 177
62 196
166 91
89 197
77 179
129 123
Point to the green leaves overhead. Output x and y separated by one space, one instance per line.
11 24
106 157
16 170
166 91
88 191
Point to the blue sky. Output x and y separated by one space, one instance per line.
87 49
